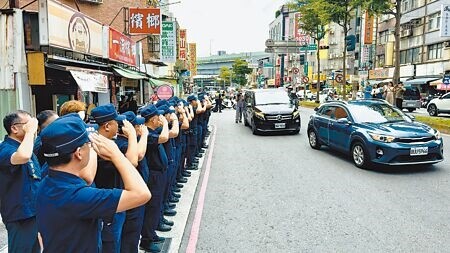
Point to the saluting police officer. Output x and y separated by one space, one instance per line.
69 209
107 176
20 175
157 164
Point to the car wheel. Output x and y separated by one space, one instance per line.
254 130
313 140
360 156
432 110
411 109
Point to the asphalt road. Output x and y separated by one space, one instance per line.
276 194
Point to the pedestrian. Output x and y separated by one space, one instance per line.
69 209
219 100
368 90
157 163
112 125
73 106
399 91
20 176
44 118
390 93
132 104
239 107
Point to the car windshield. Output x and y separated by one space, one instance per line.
271 98
377 113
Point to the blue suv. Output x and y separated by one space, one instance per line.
374 132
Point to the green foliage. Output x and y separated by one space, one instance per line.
314 17
277 13
225 74
240 69
379 6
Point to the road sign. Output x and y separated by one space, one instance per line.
446 79
310 47
339 78
305 68
282 43
295 70
305 79
282 50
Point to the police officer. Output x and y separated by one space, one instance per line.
135 217
20 175
107 176
157 164
69 208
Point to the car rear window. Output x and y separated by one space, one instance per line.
412 92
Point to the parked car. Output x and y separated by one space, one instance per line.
301 94
270 110
411 99
374 132
439 105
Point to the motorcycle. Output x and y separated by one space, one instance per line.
426 100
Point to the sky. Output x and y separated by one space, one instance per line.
234 26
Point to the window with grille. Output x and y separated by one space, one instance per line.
435 51
434 21
153 44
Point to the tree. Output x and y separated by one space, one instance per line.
341 13
314 18
389 7
225 74
240 69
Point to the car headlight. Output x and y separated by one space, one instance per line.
295 114
437 134
382 138
259 115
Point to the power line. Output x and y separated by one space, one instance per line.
5 4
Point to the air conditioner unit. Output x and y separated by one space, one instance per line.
93 1
406 33
447 44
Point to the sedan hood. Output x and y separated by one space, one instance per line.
401 129
276 109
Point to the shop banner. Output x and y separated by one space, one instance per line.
121 48
299 34
168 42
91 81
445 20
144 21
66 28
193 59
182 45
368 29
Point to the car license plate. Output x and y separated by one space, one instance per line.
280 125
418 151
411 104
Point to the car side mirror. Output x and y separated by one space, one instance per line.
316 109
344 121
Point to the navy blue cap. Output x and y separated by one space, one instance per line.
201 97
161 103
166 109
133 119
150 111
191 98
64 135
185 103
105 113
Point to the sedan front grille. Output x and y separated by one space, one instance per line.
415 140
279 117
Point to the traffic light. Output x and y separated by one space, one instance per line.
324 47
302 59
350 41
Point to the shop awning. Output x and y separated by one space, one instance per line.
419 81
158 83
130 74
440 85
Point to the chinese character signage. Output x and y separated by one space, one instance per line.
121 48
182 55
445 20
193 58
168 42
368 29
299 34
144 21
64 27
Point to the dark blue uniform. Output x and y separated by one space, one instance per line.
18 191
68 212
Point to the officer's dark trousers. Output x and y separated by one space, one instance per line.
192 147
22 236
168 187
204 131
182 156
152 214
112 234
131 232
199 136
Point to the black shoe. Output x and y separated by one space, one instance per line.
159 239
172 205
193 164
236 122
205 146
192 168
167 222
195 160
184 174
176 195
199 155
169 212
172 200
179 185
154 247
182 180
163 227
175 189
